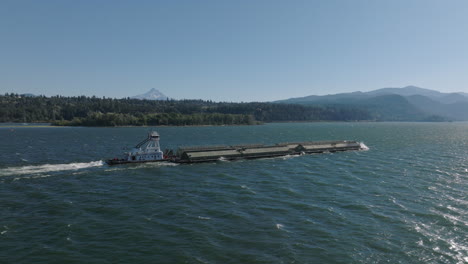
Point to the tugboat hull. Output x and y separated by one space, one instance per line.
120 161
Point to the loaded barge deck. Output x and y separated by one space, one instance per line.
149 151
205 154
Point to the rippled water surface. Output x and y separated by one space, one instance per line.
402 201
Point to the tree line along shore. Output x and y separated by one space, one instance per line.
94 111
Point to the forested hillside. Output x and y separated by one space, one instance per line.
93 111
397 104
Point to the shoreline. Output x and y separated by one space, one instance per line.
47 125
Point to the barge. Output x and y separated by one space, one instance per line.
149 151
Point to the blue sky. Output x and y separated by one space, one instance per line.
231 50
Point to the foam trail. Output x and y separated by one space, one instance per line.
48 168
363 146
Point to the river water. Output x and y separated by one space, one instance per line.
402 201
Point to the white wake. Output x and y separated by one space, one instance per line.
363 146
48 168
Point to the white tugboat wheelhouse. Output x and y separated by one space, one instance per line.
147 150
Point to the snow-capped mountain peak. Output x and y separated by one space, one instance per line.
152 94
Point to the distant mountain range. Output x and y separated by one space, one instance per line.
152 94
397 104
387 104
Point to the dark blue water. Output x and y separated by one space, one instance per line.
403 201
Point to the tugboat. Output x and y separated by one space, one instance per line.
146 151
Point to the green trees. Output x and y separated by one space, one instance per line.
156 119
92 111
